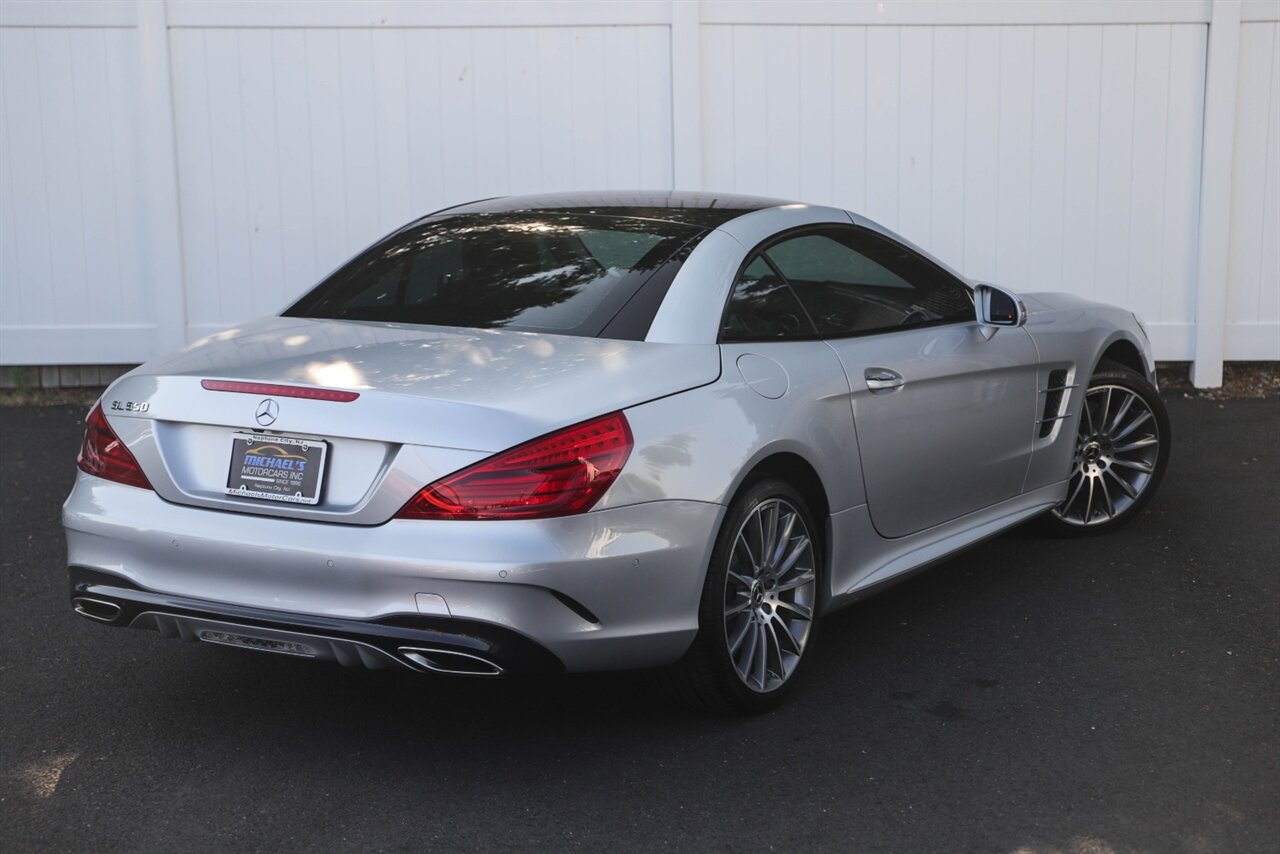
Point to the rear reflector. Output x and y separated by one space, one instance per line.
558 475
273 390
103 455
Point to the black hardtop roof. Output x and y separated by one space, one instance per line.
707 210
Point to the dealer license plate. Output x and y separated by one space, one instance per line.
276 468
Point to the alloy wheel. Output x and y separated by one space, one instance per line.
770 595
1117 448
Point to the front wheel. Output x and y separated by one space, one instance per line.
759 605
1122 449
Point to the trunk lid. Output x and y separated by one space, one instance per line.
431 400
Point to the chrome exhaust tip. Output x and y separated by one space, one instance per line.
96 609
450 662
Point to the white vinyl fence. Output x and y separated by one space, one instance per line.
173 168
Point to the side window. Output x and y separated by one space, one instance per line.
853 281
763 308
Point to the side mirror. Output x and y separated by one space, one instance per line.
997 307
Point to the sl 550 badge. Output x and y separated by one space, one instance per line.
129 406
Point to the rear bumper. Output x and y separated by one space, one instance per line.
418 642
611 589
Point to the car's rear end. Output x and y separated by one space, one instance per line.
339 484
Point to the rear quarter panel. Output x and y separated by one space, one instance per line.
702 444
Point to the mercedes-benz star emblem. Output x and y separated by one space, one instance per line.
268 412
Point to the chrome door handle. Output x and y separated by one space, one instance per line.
883 379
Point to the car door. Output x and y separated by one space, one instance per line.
944 411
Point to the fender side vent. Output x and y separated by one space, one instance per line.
1053 401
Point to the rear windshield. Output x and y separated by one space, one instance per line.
569 274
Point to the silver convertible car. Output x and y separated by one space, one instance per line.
570 433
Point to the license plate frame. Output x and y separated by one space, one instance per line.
287 469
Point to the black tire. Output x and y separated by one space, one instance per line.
1066 520
706 678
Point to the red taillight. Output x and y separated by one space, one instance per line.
556 475
275 390
102 454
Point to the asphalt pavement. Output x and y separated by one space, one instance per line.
1110 694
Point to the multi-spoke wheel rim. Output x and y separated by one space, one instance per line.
1117 449
769 595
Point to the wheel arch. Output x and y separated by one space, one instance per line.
1124 352
796 470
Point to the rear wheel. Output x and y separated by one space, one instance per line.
759 605
1122 448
